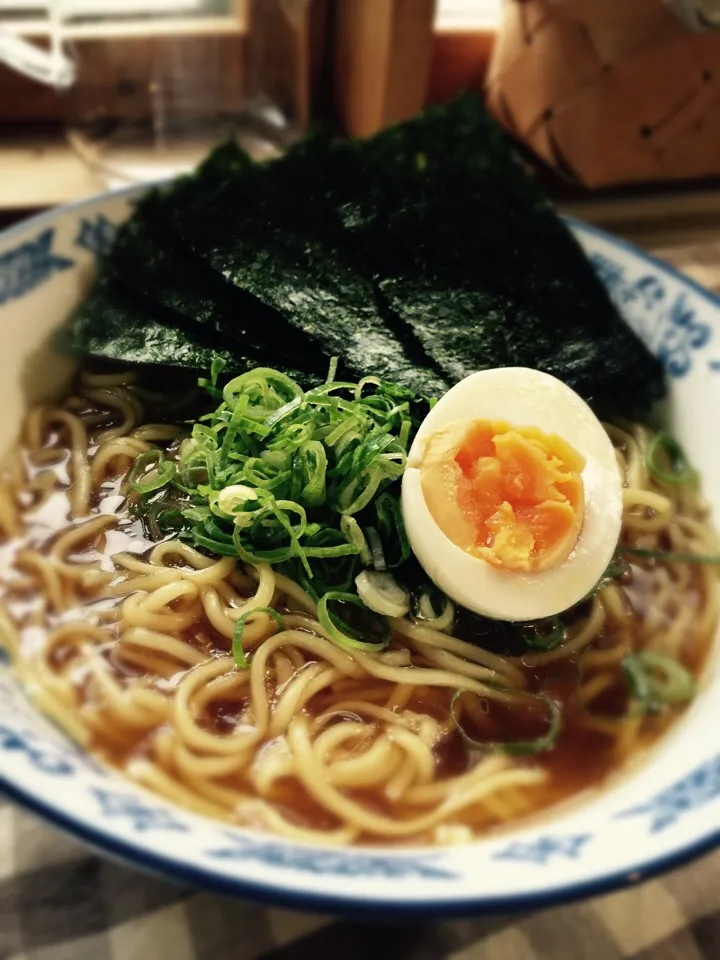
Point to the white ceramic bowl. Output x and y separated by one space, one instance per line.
664 812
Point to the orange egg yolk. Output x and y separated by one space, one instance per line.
512 496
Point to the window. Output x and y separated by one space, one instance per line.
468 14
91 19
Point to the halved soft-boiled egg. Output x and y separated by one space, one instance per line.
512 495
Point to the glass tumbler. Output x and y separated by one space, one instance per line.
150 86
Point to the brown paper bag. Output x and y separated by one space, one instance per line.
608 91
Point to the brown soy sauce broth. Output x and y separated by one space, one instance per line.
585 756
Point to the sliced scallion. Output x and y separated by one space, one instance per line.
237 645
377 554
301 479
435 610
313 465
151 471
616 569
353 531
657 681
674 556
666 460
332 369
334 610
233 499
391 528
382 593
544 634
544 742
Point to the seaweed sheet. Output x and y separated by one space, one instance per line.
273 234
117 323
470 254
420 256
150 257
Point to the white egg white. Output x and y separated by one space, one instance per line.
524 398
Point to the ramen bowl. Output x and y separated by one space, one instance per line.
662 811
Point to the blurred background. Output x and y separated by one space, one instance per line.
615 102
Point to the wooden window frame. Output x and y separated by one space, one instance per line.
234 22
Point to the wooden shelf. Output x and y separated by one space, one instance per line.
663 218
42 172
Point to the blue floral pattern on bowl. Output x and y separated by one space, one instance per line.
142 815
696 789
543 849
31 263
665 812
667 323
337 862
96 234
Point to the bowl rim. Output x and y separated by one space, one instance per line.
277 893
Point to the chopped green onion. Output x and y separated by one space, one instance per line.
313 466
164 519
544 635
151 471
656 680
674 556
666 460
233 499
216 368
237 647
435 610
212 546
302 479
282 412
616 569
375 381
332 370
360 490
261 384
376 549
338 550
382 593
516 747
391 528
346 635
353 531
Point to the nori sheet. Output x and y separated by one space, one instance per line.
117 323
274 235
149 256
420 255
470 253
